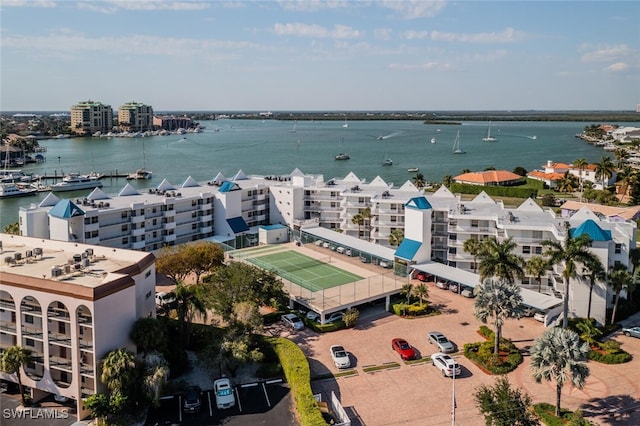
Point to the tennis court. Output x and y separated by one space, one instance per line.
312 274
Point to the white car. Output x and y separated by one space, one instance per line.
334 317
164 299
225 397
292 321
313 316
340 357
440 340
539 316
447 365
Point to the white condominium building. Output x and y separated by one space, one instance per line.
90 117
70 304
135 117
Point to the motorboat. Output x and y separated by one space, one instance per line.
140 174
76 181
433 140
342 156
412 169
11 190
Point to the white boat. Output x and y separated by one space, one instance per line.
433 140
142 173
412 169
456 145
11 190
76 181
342 155
345 125
387 160
489 138
293 129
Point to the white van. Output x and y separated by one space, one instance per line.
164 298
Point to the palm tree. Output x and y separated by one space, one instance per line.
422 292
604 170
358 219
559 355
618 279
569 253
498 260
190 300
537 266
581 164
11 362
418 181
622 155
396 236
634 259
155 377
118 371
498 299
407 290
447 180
366 215
594 272
473 246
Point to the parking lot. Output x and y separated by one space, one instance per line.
266 402
417 394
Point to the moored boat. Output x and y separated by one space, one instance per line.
11 190
76 181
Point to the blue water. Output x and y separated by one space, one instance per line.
270 147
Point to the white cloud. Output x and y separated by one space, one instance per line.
316 31
383 33
428 66
112 6
313 5
509 35
415 35
604 53
617 67
28 3
413 9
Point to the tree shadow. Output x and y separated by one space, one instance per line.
620 410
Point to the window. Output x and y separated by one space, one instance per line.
526 249
29 342
125 240
28 319
538 250
618 248
61 328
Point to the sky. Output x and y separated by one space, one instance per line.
315 55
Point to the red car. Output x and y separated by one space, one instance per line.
403 348
421 276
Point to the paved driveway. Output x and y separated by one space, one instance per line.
419 395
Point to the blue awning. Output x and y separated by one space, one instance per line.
65 209
238 224
408 249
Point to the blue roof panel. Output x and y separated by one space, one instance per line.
408 249
238 224
65 209
592 229
419 203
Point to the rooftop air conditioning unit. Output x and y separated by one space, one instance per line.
67 269
37 251
77 258
56 272
85 262
100 204
17 256
89 251
9 260
29 253
106 204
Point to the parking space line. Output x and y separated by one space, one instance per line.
180 408
210 405
249 385
270 382
238 398
264 388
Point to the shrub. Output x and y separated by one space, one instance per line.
546 412
619 357
481 353
413 309
486 332
296 370
351 317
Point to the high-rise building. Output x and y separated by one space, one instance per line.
89 117
135 117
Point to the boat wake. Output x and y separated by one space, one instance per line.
390 135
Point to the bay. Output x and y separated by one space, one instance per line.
272 147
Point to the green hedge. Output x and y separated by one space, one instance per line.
495 191
324 328
296 370
616 357
546 413
482 354
413 309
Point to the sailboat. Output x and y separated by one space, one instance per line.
456 145
293 129
489 138
142 173
342 155
433 140
345 125
387 160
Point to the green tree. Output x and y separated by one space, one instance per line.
502 405
99 406
351 316
581 164
191 301
119 374
560 356
419 181
407 291
604 170
149 334
13 228
498 260
202 257
570 252
422 292
588 331
366 216
520 171
12 360
594 272
358 219
156 374
497 299
619 278
537 266
473 246
170 262
247 317
447 180
396 236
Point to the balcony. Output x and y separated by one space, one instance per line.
85 320
7 305
60 339
86 345
60 363
8 327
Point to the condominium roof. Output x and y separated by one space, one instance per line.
628 213
489 177
352 242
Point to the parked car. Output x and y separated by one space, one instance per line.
365 259
403 348
340 357
632 331
440 340
318 243
192 399
313 316
527 311
334 317
539 316
325 245
225 396
348 252
165 299
386 264
340 250
468 292
447 365
442 284
454 287
292 320
421 276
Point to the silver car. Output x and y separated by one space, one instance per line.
440 340
632 331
